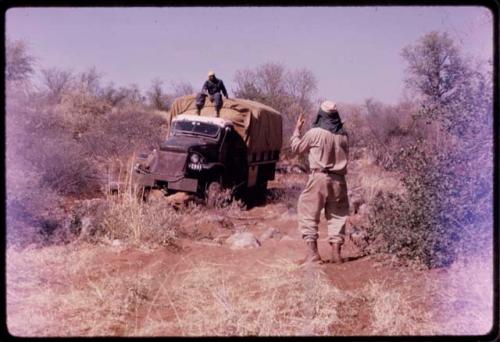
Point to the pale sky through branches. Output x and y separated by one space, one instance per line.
354 52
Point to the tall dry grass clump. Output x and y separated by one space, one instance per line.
393 312
65 292
283 300
127 219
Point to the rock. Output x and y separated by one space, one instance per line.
116 243
221 221
297 169
220 239
179 199
156 195
271 233
243 240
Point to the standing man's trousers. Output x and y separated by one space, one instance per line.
323 191
200 100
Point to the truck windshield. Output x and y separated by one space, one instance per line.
196 127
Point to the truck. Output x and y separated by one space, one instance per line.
234 153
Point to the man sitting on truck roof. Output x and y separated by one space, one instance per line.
212 88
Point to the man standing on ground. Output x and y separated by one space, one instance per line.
212 88
327 144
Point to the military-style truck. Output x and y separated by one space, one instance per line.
205 155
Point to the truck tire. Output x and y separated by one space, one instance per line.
261 192
216 196
141 193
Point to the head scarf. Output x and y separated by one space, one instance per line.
329 121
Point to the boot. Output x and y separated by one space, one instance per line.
312 255
198 110
336 258
217 111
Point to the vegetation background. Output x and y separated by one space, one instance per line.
68 135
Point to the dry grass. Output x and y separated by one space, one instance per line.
368 180
65 291
465 297
137 222
393 312
283 300
203 299
62 292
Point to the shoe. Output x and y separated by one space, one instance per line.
336 258
312 255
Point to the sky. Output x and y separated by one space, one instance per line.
354 52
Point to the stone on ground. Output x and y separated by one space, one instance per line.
243 240
271 233
179 199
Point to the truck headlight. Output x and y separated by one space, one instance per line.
195 161
195 158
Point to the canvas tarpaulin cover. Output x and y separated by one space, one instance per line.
260 126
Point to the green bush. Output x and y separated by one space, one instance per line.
446 210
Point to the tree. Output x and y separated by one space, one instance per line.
181 89
288 91
435 67
447 174
19 63
56 83
157 99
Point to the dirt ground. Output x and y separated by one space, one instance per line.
206 288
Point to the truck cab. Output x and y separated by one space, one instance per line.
198 151
206 155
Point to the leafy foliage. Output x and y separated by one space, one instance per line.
447 208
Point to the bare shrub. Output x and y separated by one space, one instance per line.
288 91
288 189
65 169
19 63
156 97
33 209
385 130
79 110
119 133
181 88
56 82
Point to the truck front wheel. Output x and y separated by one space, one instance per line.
216 196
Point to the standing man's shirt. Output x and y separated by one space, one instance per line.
214 86
327 151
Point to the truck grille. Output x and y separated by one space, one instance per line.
170 165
